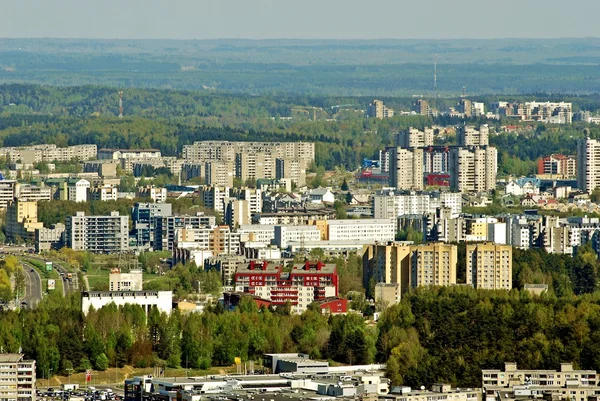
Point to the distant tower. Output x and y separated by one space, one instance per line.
120 104
464 94
435 76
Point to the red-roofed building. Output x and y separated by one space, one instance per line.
306 283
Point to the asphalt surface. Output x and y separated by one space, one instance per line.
33 286
68 285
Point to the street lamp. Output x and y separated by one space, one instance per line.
49 372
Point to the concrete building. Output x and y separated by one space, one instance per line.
588 164
294 363
283 234
219 173
78 192
377 109
558 165
21 221
165 228
32 193
237 212
251 195
162 300
469 136
143 217
130 281
387 294
17 378
7 192
103 193
292 169
214 197
306 283
414 138
433 264
377 230
390 204
564 384
489 266
97 234
406 168
473 169
410 265
155 194
49 238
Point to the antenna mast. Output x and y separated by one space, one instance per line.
435 75
120 104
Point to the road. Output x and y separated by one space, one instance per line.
68 285
33 286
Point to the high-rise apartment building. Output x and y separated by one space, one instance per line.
473 169
22 220
414 138
219 173
410 265
143 217
377 109
165 228
423 108
560 165
17 378
213 197
489 266
469 136
433 264
588 164
406 168
97 234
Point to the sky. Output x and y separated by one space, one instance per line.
309 19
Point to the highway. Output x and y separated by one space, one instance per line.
68 285
33 286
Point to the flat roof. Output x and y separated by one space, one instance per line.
4 358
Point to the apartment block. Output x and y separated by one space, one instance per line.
489 266
377 230
469 136
390 204
155 194
49 238
214 197
22 220
414 138
217 240
17 378
49 153
305 284
251 195
433 264
115 154
406 168
473 169
97 234
226 151
377 109
103 193
566 383
236 212
34 193
219 173
7 192
588 164
410 265
144 217
283 234
165 228
293 169
251 166
558 165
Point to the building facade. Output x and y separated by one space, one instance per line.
17 378
489 266
97 234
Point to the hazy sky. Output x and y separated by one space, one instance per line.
338 19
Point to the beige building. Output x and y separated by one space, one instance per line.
21 220
219 173
564 384
433 264
469 136
17 378
131 281
251 166
377 109
406 168
588 164
387 294
489 266
473 169
7 192
237 212
414 138
410 265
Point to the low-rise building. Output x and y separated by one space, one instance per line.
162 300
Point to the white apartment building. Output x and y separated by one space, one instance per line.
406 168
130 281
17 378
262 233
97 234
377 230
162 300
32 193
588 164
104 154
285 234
7 192
104 193
79 191
390 204
252 196
489 266
473 169
414 138
469 136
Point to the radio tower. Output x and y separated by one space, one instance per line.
120 104
435 76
